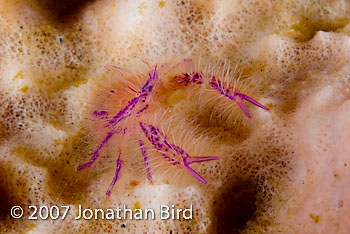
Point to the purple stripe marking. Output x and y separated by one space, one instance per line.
236 96
116 176
158 140
97 152
143 94
145 160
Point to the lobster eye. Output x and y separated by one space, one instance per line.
137 94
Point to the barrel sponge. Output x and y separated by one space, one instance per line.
284 170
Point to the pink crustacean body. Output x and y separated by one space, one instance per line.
134 107
137 105
198 78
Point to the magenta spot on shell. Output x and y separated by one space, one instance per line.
99 113
190 78
142 110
